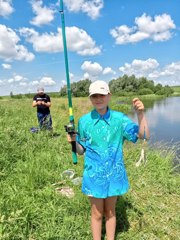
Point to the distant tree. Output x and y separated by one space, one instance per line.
158 87
11 94
145 83
78 89
165 91
63 91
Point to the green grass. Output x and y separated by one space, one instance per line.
30 208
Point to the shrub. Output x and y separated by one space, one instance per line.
145 91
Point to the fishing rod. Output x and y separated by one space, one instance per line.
70 127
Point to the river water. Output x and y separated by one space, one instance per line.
164 121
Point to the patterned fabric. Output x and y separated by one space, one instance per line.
102 138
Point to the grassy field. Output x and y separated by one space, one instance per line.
31 209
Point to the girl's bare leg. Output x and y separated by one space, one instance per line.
97 209
110 214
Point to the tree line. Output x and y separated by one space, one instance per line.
123 86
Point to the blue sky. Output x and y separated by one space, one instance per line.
105 39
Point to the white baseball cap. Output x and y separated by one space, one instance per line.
99 87
40 89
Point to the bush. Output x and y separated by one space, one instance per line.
18 96
29 95
165 91
145 91
123 94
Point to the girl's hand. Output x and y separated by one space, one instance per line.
138 105
71 138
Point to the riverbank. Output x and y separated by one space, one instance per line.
176 90
31 164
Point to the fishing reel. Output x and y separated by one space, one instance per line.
70 128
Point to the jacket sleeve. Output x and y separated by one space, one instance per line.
130 129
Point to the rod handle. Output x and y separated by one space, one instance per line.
74 155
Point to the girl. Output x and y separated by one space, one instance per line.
101 136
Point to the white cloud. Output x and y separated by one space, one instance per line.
173 68
10 80
6 8
47 81
16 78
93 69
91 8
77 41
23 84
1 82
167 75
9 48
139 67
86 75
108 70
20 84
43 16
6 66
35 83
157 29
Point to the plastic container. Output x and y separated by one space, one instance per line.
77 181
68 174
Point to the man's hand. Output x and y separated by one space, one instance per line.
39 102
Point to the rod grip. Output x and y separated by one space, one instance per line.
74 155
